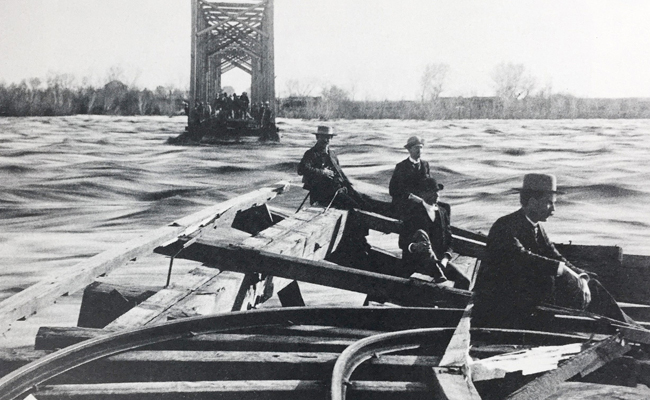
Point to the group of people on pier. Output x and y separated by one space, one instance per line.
233 107
522 269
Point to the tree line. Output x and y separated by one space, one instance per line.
516 96
60 95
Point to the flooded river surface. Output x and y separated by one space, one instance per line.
73 186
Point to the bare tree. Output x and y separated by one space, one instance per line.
512 81
296 88
432 81
115 73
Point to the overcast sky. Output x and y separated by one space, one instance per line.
374 49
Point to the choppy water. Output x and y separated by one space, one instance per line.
72 186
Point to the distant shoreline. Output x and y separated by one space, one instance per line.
116 98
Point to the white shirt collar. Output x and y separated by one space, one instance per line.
414 161
431 210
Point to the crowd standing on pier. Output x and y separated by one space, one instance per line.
233 107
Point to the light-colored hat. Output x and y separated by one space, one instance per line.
544 183
414 141
325 130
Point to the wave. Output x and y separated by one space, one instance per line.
603 191
515 152
15 169
164 194
601 150
492 131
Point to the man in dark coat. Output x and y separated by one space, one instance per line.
425 239
406 176
323 176
523 270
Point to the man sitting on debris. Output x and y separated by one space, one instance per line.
407 175
324 178
425 239
523 270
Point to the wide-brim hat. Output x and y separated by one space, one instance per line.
325 130
540 183
414 141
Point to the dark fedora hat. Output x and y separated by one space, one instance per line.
414 141
430 183
540 183
325 130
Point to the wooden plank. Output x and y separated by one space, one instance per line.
149 310
215 296
216 388
310 235
397 290
585 362
468 247
42 294
51 338
452 384
581 390
530 361
102 302
263 357
457 351
224 365
379 222
453 377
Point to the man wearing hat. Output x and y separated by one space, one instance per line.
522 269
406 176
425 238
323 176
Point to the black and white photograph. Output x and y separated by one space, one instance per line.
324 199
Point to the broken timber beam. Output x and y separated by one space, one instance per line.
583 363
222 254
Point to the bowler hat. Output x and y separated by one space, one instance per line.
543 183
414 141
430 183
325 130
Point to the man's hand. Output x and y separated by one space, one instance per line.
581 280
329 173
420 247
585 292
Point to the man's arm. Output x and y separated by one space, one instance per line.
395 183
308 166
503 243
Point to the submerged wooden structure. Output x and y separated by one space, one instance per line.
225 36
199 337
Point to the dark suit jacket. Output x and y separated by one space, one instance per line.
439 231
311 167
404 181
517 274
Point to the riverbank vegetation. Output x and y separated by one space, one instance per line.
60 95
516 97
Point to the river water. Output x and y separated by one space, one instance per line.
73 186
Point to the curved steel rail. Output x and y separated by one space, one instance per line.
39 371
372 346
